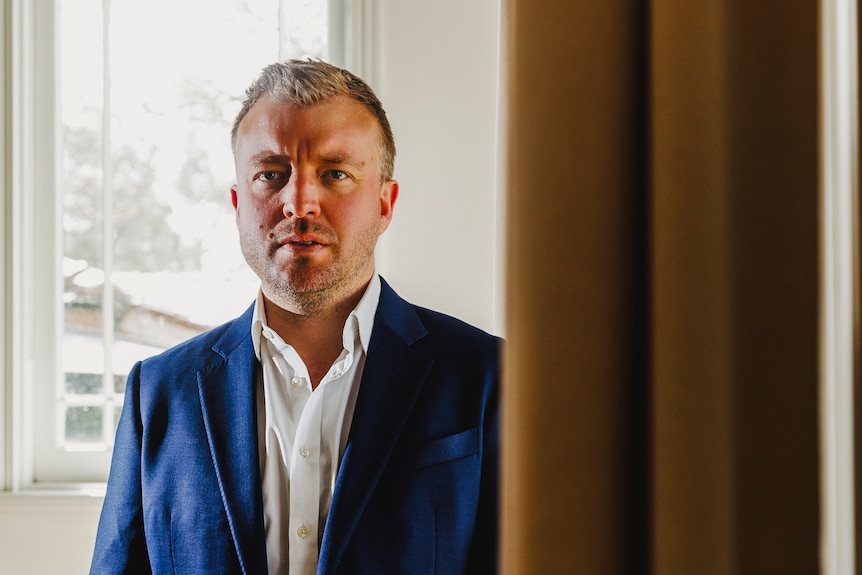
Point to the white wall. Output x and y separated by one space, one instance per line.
437 77
44 534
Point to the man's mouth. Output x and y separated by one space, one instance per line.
300 238
302 244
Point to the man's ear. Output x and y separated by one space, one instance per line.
233 197
388 197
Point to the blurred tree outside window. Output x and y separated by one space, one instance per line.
148 91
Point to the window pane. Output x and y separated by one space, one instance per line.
84 424
119 384
83 383
305 29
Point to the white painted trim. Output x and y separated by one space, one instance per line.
19 162
5 261
336 45
41 422
500 182
361 40
839 192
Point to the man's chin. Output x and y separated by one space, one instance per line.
301 290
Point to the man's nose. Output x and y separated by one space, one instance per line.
301 197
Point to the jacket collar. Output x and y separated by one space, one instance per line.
228 395
393 376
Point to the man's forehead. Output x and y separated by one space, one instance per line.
338 125
340 105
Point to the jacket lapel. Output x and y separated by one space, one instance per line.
228 401
391 381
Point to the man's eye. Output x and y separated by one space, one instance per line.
336 175
268 176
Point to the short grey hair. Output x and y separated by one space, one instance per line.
304 83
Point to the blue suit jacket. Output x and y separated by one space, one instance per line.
416 491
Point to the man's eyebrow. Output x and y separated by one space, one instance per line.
336 160
268 158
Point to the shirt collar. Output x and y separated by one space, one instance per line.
362 317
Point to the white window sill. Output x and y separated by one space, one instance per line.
56 496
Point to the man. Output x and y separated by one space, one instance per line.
333 428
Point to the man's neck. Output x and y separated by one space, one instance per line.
317 337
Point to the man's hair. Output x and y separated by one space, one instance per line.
304 83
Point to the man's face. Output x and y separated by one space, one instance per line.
309 201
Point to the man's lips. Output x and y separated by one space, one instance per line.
300 244
300 236
302 241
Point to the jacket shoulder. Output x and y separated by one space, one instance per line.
419 324
443 326
207 347
458 347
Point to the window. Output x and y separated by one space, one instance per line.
122 235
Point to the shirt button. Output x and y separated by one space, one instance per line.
303 531
296 381
304 451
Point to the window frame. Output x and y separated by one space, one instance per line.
30 238
839 282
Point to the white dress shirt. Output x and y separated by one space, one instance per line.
302 434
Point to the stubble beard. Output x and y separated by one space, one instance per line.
303 287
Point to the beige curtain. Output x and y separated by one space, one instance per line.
660 390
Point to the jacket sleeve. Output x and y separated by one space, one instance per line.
121 546
483 559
